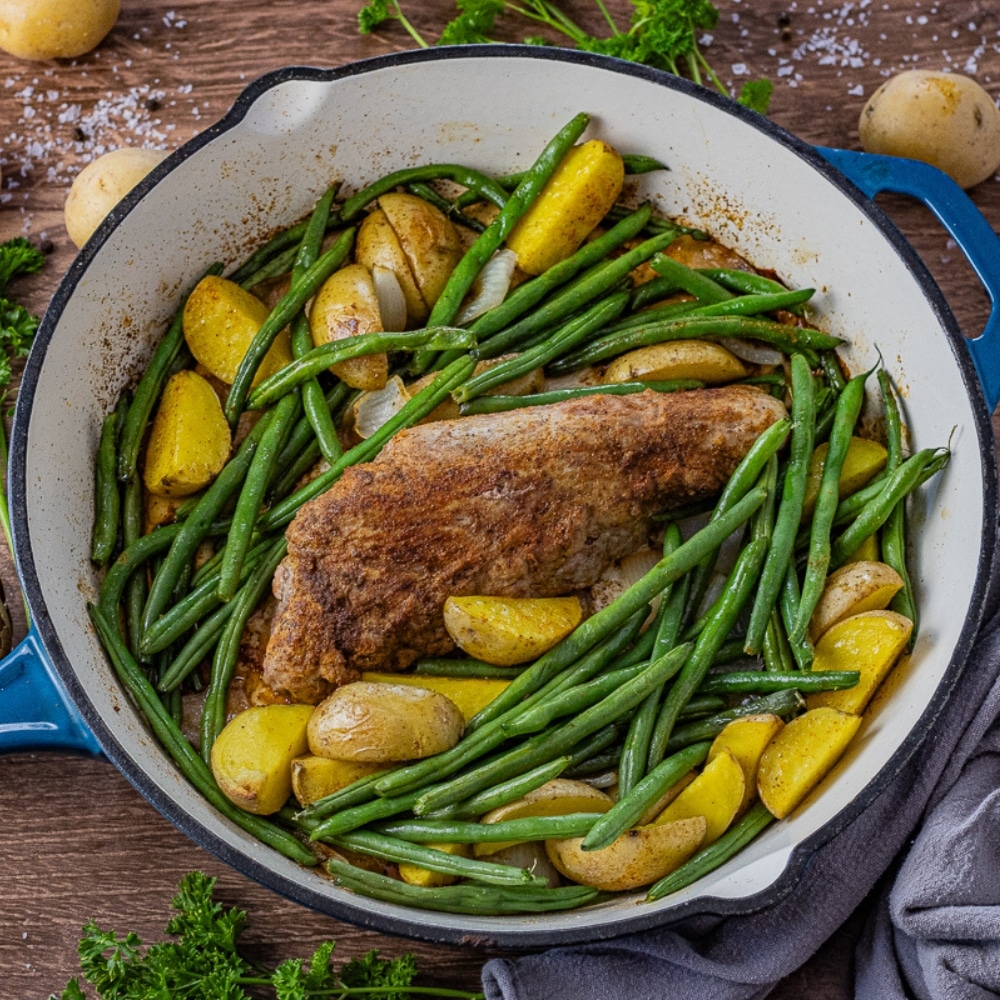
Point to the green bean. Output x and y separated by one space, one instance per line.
181 752
637 163
746 283
556 742
136 588
451 831
465 273
754 305
903 481
317 360
447 208
790 509
355 794
410 413
833 372
776 651
148 391
784 703
282 242
354 817
565 338
196 649
474 899
107 499
652 291
765 682
788 607
702 705
444 667
721 619
599 625
380 845
281 315
709 858
788 339
530 293
629 808
500 404
597 281
689 280
213 715
848 410
129 560
278 266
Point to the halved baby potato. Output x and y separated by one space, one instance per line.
746 739
220 319
189 441
415 875
639 857
313 778
864 460
851 590
800 755
717 794
346 306
470 694
380 723
704 360
252 757
509 630
871 643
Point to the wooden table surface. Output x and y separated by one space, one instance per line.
79 842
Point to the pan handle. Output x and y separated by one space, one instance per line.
964 222
36 711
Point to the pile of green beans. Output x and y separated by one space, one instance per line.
633 696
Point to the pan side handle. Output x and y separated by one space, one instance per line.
965 224
36 712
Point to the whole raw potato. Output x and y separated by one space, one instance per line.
55 29
102 184
944 119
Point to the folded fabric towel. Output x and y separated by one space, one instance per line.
935 934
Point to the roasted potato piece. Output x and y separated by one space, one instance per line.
576 197
638 857
865 459
800 755
346 306
384 722
697 359
510 630
314 778
220 319
852 589
470 694
717 794
746 739
871 643
252 758
415 875
558 797
189 441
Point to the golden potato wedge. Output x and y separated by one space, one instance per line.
639 857
189 441
865 459
666 798
510 630
800 755
470 694
867 551
252 758
717 794
698 359
746 739
384 722
852 589
313 778
159 509
428 239
220 319
558 797
415 875
870 642
346 306
377 245
576 197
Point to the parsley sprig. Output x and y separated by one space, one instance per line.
202 962
666 34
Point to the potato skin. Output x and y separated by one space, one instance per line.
366 721
55 29
944 119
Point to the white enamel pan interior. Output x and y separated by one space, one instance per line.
731 173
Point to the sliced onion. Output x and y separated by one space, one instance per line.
531 856
391 301
491 286
619 576
372 409
753 351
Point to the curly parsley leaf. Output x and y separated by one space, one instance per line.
474 23
18 256
392 975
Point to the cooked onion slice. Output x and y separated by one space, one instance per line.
753 351
372 409
391 301
491 286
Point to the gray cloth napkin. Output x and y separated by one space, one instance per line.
934 934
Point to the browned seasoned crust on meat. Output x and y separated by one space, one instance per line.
530 502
